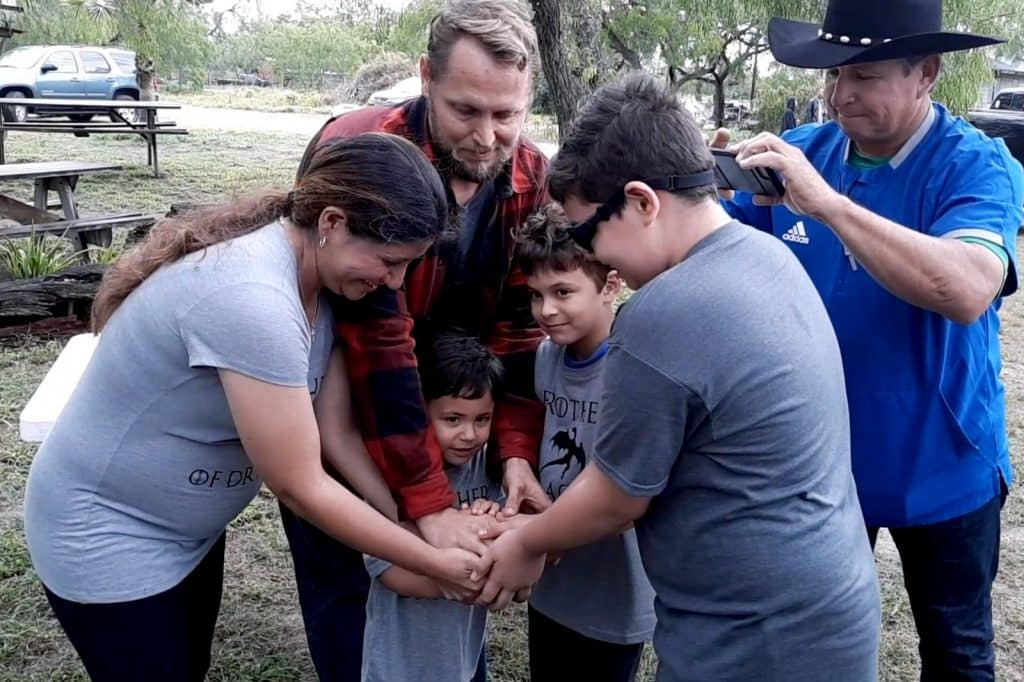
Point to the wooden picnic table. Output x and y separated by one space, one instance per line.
60 177
149 128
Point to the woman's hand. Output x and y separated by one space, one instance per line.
458 574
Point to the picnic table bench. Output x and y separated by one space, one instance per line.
148 128
60 177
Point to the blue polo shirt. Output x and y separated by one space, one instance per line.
927 408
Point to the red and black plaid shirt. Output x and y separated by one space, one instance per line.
377 333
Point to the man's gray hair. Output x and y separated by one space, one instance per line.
909 63
502 27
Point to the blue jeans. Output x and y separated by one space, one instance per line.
948 570
333 585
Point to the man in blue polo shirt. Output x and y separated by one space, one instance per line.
906 219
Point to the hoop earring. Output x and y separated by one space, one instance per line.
323 240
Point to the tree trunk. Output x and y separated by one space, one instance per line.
753 81
567 34
719 100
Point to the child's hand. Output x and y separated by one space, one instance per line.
507 522
482 507
513 569
452 592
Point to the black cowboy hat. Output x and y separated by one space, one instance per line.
859 31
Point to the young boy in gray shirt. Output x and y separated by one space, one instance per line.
591 611
724 431
412 633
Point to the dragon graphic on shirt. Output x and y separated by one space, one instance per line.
565 442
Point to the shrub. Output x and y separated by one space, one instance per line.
378 73
105 255
34 257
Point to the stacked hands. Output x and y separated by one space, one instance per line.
484 559
807 193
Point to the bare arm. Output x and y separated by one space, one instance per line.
593 507
278 431
409 584
955 279
342 444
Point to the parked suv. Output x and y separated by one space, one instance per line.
66 72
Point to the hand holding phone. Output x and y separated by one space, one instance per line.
731 176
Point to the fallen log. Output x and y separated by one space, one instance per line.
69 292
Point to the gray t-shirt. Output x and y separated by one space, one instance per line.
600 590
143 470
724 401
408 639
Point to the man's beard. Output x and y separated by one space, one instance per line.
450 167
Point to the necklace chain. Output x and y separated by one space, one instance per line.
302 298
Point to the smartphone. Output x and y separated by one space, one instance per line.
729 175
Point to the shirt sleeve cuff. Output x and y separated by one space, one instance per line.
425 498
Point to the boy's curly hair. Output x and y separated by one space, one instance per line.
543 243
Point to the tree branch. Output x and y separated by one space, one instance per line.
628 54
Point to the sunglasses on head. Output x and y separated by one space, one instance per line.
583 233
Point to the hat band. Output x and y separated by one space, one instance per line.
850 40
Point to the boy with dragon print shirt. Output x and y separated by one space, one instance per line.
593 609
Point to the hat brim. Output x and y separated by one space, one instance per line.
796 43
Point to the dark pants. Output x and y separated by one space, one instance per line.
163 638
481 668
948 570
333 585
558 653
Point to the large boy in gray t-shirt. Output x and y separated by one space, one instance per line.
724 429
412 633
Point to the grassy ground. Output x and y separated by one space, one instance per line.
259 633
257 99
201 166
538 126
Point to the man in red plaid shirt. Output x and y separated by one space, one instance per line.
477 79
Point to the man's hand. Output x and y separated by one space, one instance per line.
513 571
453 528
807 193
522 488
719 139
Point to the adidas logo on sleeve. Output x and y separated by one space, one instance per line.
797 234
